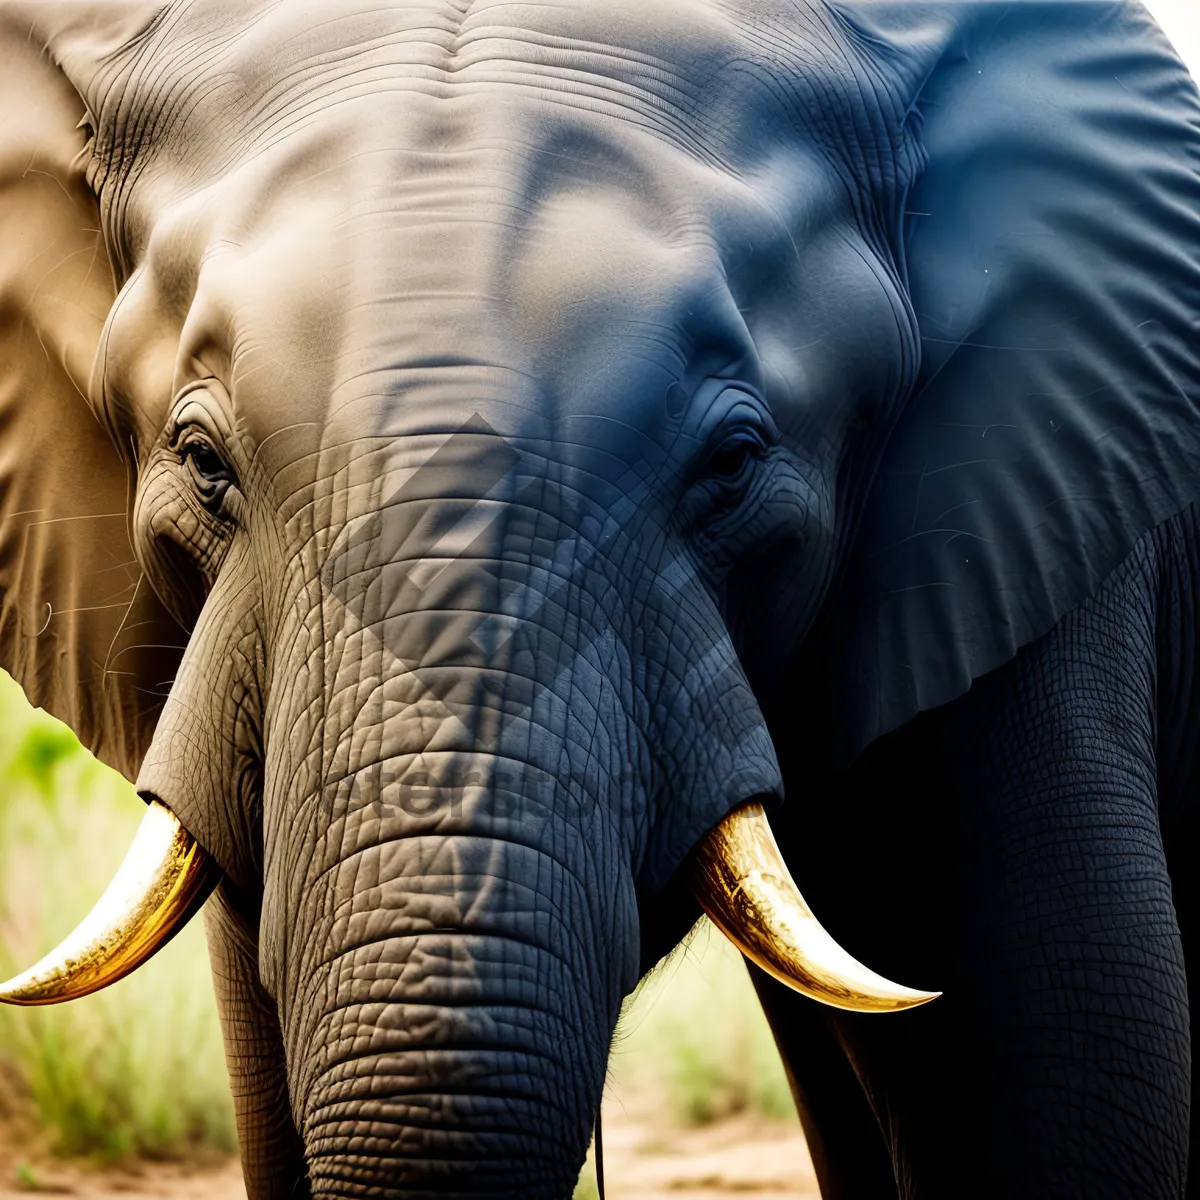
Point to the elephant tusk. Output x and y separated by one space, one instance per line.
741 881
165 878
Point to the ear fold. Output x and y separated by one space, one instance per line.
1053 253
79 627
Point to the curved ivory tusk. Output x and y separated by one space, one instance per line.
741 881
165 878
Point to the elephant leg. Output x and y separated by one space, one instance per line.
272 1155
1179 771
848 1150
1071 1038
1183 845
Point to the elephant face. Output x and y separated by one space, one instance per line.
500 393
459 462
470 443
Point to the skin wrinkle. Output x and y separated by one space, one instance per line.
499 1141
434 876
500 1012
377 1065
379 842
388 1012
494 1106
343 1082
397 941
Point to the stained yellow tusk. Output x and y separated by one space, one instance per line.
165 878
741 881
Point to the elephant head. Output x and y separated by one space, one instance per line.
433 433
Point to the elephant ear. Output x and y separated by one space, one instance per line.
80 629
1053 257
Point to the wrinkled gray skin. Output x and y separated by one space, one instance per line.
488 373
463 685
462 319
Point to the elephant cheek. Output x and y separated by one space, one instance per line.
202 762
718 754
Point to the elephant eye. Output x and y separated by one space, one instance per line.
205 461
730 462
210 474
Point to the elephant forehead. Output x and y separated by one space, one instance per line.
218 80
521 206
560 270
449 280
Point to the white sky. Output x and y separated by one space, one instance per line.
1181 21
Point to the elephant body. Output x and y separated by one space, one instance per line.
1030 847
455 455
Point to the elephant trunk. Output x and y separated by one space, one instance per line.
493 720
451 1031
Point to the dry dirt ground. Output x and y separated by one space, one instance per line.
728 1161
733 1159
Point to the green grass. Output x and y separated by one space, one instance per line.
693 1040
694 1033
137 1069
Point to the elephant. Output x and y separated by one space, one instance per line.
505 478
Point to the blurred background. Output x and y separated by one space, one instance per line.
125 1092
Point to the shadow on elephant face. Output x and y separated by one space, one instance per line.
482 421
